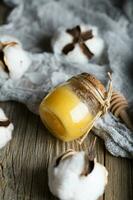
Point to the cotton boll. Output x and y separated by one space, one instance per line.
13 59
17 61
6 128
67 179
74 38
60 40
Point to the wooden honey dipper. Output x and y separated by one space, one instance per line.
118 106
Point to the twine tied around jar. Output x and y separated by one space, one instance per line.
104 102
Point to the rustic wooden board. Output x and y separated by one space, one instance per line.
24 161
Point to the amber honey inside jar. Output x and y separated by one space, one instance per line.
69 110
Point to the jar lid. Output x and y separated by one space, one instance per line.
95 82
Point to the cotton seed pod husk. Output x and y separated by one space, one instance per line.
14 60
67 179
96 45
6 129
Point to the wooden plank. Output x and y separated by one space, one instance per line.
12 156
120 185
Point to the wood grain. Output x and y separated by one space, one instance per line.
24 161
120 184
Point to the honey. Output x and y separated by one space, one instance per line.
69 110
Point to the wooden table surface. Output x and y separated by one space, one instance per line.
24 161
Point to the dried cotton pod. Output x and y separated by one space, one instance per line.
77 176
6 128
13 59
79 44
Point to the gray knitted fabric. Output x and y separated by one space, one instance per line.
34 22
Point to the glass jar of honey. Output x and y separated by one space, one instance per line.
70 109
